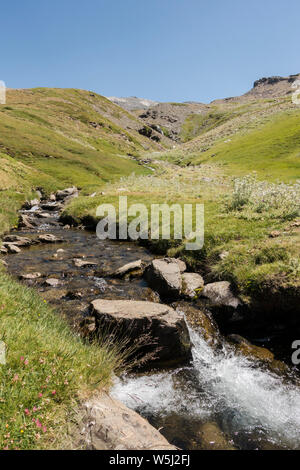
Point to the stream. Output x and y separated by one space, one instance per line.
250 406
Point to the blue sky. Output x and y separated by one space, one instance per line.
166 50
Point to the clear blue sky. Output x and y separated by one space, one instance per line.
166 50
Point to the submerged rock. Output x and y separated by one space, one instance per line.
192 285
109 425
164 276
164 329
212 438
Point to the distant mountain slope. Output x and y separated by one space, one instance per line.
183 122
132 102
78 131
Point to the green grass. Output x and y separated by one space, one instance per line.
47 141
48 370
271 150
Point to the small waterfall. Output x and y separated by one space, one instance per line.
221 386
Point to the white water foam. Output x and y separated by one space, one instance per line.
243 397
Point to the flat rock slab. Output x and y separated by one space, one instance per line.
164 329
109 425
11 248
164 276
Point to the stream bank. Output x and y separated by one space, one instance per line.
72 268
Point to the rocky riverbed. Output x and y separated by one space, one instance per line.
203 391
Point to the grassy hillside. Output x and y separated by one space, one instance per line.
51 139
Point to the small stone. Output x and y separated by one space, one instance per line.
274 234
30 276
49 238
79 263
53 282
25 222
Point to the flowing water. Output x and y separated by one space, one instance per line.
254 408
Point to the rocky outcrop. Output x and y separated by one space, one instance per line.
166 335
107 424
164 276
192 285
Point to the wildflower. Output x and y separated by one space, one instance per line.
27 412
53 392
22 358
21 431
26 362
40 395
44 429
16 378
38 423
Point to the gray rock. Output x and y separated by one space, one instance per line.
79 263
164 329
3 263
51 206
53 282
61 195
109 425
192 284
49 238
25 222
18 241
219 293
30 276
129 268
164 276
12 248
3 250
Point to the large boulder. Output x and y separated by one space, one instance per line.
167 340
192 285
107 424
164 276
